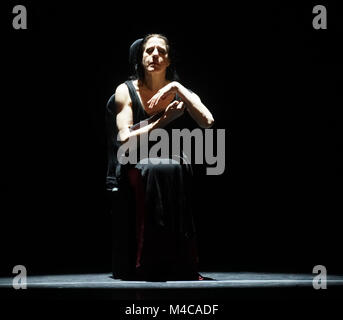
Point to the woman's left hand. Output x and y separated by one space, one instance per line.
170 88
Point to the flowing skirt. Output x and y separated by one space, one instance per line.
165 232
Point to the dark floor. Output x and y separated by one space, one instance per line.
225 285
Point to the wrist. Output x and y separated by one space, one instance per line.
176 86
179 89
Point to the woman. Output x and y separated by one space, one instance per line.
165 231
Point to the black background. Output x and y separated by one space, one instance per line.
269 79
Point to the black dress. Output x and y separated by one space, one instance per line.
165 231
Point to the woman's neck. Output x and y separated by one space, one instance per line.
154 82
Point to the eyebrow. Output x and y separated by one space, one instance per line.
159 47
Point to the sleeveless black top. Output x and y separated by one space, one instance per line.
114 168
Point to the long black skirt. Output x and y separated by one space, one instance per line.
166 246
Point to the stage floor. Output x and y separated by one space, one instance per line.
225 285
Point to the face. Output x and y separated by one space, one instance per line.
155 55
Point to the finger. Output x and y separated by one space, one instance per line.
159 97
152 98
151 102
180 105
173 104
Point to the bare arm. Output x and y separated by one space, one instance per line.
195 107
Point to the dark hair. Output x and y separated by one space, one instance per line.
138 70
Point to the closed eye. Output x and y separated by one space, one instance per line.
151 49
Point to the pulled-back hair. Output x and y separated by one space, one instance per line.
138 69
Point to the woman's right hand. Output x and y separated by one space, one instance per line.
174 110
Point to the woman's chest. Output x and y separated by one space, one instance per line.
162 104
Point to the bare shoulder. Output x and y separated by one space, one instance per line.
122 95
